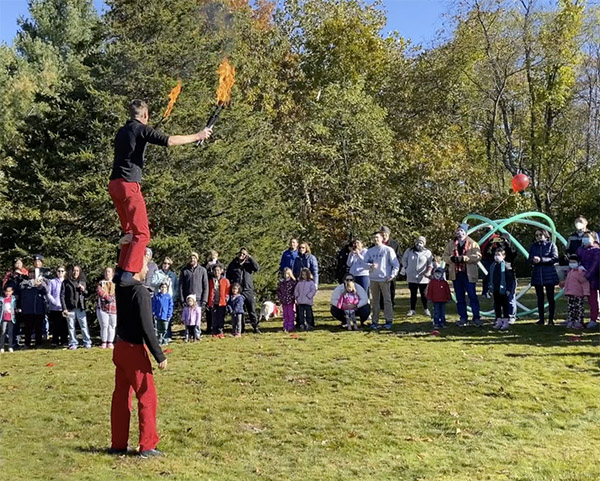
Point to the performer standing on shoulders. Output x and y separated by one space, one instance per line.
133 368
124 187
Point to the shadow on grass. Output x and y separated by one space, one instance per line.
104 450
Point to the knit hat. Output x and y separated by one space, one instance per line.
38 257
148 253
195 254
421 239
385 229
464 226
191 296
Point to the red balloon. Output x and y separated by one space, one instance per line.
520 182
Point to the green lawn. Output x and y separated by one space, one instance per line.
471 404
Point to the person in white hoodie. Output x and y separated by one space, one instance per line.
417 265
383 268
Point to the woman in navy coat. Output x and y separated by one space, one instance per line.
543 255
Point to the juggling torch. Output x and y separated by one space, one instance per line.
226 73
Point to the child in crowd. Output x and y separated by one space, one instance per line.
285 293
348 302
218 293
235 305
438 292
304 292
577 288
162 308
501 285
7 318
192 318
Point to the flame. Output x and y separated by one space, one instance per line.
226 73
172 99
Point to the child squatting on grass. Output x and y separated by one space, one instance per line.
285 293
577 288
348 302
192 319
305 292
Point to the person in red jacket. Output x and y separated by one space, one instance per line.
218 295
438 292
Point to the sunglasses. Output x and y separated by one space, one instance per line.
60 270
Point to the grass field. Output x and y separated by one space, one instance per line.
471 404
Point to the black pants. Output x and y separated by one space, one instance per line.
539 292
208 312
250 305
362 313
414 287
33 323
218 319
58 328
392 292
238 322
501 305
305 315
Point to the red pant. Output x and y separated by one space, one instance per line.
130 205
133 373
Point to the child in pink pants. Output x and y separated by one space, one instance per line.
285 293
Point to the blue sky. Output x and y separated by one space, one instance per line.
418 20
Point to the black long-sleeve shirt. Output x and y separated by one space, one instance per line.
130 145
134 316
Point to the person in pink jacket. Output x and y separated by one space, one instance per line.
304 293
577 289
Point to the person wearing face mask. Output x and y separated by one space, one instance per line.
417 264
438 292
589 260
502 287
502 241
577 288
543 255
462 255
575 240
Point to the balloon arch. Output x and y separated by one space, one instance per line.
535 219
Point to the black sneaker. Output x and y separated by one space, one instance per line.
150 453
256 330
540 322
117 451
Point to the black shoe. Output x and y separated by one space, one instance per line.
540 322
150 453
117 451
550 323
256 330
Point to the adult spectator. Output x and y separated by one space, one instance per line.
306 260
212 260
16 275
574 241
106 309
32 304
388 241
502 241
72 295
358 268
417 266
241 270
487 259
543 255
462 255
152 268
194 280
341 261
58 322
166 275
39 271
589 258
383 267
363 310
289 256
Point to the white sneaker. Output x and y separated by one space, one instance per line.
512 320
410 313
427 312
10 349
1 351
592 325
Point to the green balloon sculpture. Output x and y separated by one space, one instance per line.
528 218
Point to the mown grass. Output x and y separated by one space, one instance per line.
470 404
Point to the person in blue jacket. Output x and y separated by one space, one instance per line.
543 256
306 260
289 256
162 308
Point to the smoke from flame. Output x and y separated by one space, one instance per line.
172 99
226 73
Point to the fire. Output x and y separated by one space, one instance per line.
226 73
172 99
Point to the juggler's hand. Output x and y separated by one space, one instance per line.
162 365
204 134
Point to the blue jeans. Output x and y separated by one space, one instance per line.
439 313
363 281
463 287
79 316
